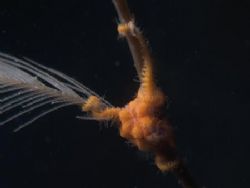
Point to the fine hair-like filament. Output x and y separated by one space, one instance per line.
29 88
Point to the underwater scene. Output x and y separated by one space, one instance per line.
124 94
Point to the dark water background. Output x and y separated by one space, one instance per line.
202 54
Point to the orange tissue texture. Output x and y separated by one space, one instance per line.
139 122
92 104
123 29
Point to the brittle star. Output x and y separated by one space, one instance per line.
30 86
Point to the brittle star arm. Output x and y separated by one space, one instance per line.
137 44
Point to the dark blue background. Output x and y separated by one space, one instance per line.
202 54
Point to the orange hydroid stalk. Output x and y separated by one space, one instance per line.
140 121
